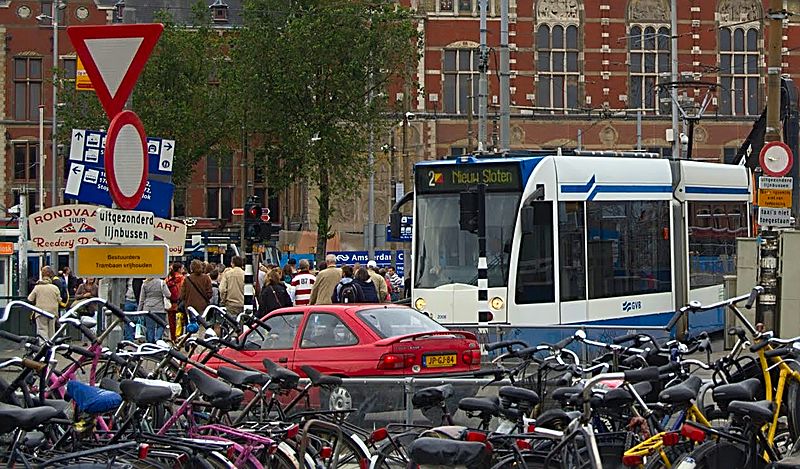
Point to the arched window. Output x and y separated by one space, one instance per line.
739 58
461 76
557 68
649 49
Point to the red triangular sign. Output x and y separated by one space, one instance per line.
114 56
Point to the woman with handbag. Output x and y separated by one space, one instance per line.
154 297
196 289
274 294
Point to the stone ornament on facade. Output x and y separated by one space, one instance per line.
557 10
517 135
656 11
739 11
700 134
609 136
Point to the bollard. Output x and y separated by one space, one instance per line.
408 393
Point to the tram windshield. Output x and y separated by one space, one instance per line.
446 254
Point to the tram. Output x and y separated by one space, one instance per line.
577 238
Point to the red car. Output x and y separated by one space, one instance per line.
355 341
358 340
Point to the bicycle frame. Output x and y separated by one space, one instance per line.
655 444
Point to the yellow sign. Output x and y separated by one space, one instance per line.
122 261
774 198
6 248
82 81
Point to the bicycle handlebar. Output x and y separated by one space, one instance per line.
505 344
12 303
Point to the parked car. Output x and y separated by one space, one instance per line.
357 341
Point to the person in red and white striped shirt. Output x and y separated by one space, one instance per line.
303 281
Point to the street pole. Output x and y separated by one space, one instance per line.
244 190
505 84
22 264
42 157
676 131
483 83
767 308
54 147
371 203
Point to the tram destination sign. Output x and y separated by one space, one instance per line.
503 177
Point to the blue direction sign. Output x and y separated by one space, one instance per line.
86 178
382 258
405 231
88 147
87 183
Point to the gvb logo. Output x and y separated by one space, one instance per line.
631 306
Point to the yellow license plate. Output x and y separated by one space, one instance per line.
440 361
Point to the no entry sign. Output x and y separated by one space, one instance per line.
126 160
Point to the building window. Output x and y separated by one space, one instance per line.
26 161
557 67
179 202
69 68
269 198
464 7
219 202
729 155
739 74
31 198
649 61
27 88
219 170
460 80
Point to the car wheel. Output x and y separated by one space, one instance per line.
339 398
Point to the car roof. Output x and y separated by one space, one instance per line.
338 308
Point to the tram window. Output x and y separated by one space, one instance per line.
713 229
628 248
571 251
535 279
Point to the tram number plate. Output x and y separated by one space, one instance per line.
440 361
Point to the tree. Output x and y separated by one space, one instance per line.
313 78
177 96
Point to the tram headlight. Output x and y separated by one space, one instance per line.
420 304
497 303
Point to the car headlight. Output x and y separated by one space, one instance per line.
420 304
497 303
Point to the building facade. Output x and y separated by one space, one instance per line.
583 73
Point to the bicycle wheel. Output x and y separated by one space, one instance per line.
717 454
352 451
393 454
529 461
792 401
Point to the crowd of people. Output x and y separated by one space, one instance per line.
208 283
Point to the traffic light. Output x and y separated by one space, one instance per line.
253 225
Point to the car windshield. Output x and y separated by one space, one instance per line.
393 322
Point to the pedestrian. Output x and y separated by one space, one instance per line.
214 276
58 281
379 281
347 290
46 296
303 282
274 294
288 275
326 282
132 292
87 289
395 281
370 291
231 287
70 281
151 298
196 289
174 283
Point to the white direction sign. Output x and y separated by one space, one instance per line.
774 217
784 183
124 226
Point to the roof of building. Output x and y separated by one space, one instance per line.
146 11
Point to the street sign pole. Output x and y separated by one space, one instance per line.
22 263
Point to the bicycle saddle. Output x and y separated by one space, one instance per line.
790 462
92 400
282 377
110 385
520 396
242 377
320 379
681 393
432 396
565 394
760 412
744 391
485 405
13 417
219 394
556 419
143 394
436 451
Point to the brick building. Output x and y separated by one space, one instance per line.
580 71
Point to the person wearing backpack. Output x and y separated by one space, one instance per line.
196 288
347 290
274 294
364 281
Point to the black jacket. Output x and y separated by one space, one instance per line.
273 297
370 292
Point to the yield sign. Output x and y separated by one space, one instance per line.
114 56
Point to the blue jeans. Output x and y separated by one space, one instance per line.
128 331
154 330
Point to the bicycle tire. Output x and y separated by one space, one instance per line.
792 401
716 454
529 461
392 454
351 452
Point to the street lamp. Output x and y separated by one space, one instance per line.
119 10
